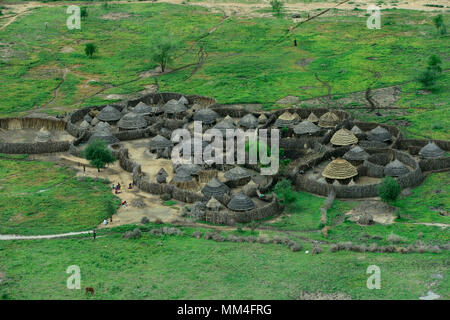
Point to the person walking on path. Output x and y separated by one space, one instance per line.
94 234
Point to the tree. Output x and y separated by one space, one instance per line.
284 192
83 13
439 23
90 49
162 52
277 7
434 63
429 77
110 208
389 189
98 154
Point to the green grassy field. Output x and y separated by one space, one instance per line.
42 198
250 60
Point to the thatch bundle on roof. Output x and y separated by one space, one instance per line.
159 142
328 120
431 151
356 154
250 189
343 137
339 169
87 118
103 135
84 125
215 188
95 121
306 127
174 107
207 175
132 121
214 205
395 168
379 134
313 118
287 119
109 114
237 176
43 135
248 121
102 126
224 125
142 109
161 176
241 202
183 100
206 116
190 168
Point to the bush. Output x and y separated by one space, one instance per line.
389 189
135 234
277 7
158 221
285 193
145 220
316 249
162 52
395 238
165 197
98 154
90 49
295 247
197 234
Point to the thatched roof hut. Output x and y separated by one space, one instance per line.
190 168
339 169
356 154
343 137
109 114
379 134
95 121
87 118
237 173
184 180
306 127
103 135
287 119
161 176
241 202
142 109
43 135
206 116
431 151
229 119
183 100
174 107
215 188
132 121
248 121
262 119
224 125
159 142
313 118
214 205
84 125
356 130
395 168
328 120
102 126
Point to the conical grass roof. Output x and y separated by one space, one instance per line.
248 121
328 120
182 176
161 176
356 154
162 172
142 109
236 173
215 188
356 130
132 121
229 119
183 100
84 125
339 169
102 126
262 118
241 202
173 106
103 135
43 135
159 142
214 204
109 113
206 115
287 119
431 151
313 118
379 134
224 125
343 137
306 127
395 168
87 118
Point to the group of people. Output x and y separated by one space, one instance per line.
117 187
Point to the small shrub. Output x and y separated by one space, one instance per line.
373 247
218 237
325 231
158 221
232 238
420 235
165 197
365 219
395 238
145 220
285 193
135 234
296 247
334 248
197 234
389 189
209 235
434 249
90 49
316 249
263 240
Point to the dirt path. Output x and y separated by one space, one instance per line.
51 236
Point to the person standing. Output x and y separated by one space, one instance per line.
94 234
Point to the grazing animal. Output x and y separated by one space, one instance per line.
90 290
